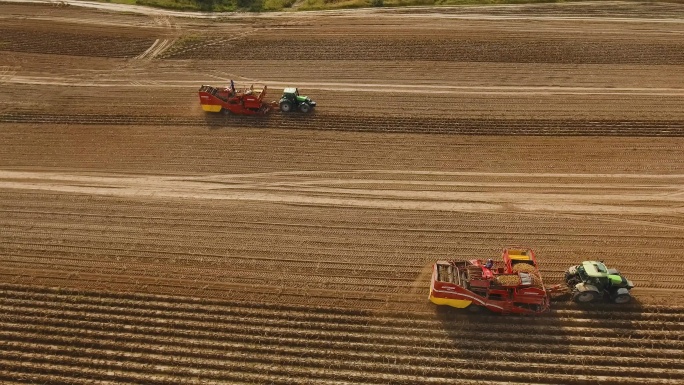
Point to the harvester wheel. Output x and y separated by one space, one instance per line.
622 298
285 106
584 296
474 308
225 111
305 108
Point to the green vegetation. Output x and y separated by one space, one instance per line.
307 5
189 5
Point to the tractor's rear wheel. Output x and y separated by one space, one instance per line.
305 108
285 106
622 298
584 296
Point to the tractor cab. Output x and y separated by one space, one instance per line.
595 273
293 101
291 93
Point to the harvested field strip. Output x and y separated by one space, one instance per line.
239 151
100 260
210 289
347 277
113 224
147 279
263 258
30 241
673 128
247 278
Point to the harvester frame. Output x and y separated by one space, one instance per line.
470 284
229 100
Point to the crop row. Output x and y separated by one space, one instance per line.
44 333
108 353
638 321
638 334
380 124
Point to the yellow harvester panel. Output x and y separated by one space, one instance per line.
211 108
457 303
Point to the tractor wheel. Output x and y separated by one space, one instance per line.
472 308
305 108
285 106
225 111
622 298
584 296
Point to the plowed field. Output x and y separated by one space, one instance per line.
144 241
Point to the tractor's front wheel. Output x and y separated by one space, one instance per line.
584 296
285 106
305 108
622 298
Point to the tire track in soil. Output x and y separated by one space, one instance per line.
160 45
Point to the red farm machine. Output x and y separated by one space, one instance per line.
251 101
513 286
228 100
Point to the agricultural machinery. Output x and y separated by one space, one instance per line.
514 286
250 101
293 101
593 281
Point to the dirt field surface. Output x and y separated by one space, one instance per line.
144 241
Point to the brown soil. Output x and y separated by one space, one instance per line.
144 241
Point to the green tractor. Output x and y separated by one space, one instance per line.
592 281
293 101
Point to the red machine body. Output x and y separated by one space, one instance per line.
228 100
513 286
